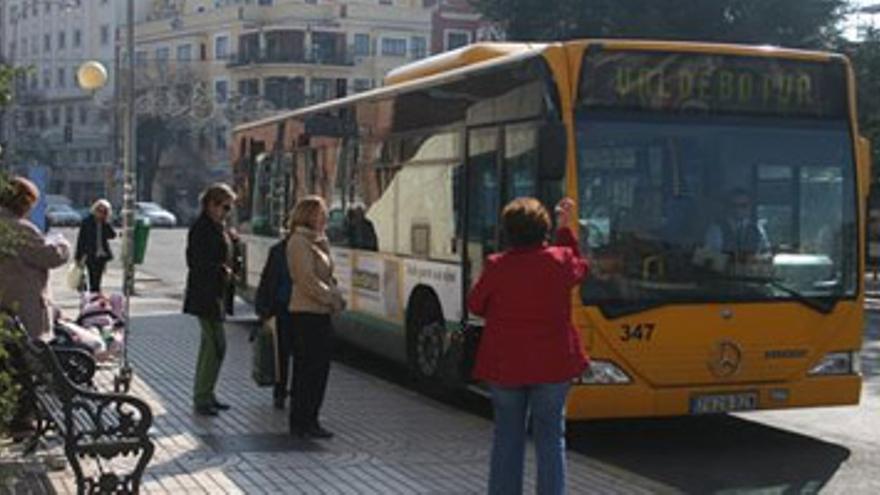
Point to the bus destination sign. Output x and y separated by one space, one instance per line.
713 84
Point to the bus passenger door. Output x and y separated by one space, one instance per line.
483 198
502 165
520 163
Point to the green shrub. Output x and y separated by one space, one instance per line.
8 389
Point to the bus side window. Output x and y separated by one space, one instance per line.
483 197
520 160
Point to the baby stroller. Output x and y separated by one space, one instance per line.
100 328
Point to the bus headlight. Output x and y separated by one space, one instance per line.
603 373
836 363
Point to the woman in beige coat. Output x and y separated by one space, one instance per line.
25 264
25 260
314 299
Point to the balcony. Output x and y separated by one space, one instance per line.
31 96
264 57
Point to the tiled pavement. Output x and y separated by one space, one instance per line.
389 439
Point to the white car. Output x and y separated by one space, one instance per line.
62 215
158 216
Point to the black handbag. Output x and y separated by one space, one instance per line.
263 346
460 356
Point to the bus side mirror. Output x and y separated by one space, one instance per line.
552 151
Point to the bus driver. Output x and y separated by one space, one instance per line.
737 237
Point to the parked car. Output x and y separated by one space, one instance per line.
58 199
83 211
158 216
61 215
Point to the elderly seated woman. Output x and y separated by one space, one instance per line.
25 260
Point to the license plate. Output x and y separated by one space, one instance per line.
721 403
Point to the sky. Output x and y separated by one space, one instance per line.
850 31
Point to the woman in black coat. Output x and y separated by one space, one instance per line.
92 246
209 257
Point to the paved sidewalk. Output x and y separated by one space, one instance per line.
389 440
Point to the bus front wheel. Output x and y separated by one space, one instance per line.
426 331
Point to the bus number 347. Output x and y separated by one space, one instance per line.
638 331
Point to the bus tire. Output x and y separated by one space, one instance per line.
426 332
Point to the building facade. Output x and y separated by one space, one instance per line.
455 23
52 121
202 66
252 58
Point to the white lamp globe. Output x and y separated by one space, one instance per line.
91 75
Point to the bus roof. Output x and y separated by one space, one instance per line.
432 70
454 59
445 65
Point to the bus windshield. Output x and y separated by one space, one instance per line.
678 209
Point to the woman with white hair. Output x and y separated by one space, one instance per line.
92 246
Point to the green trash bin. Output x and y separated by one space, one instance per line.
141 234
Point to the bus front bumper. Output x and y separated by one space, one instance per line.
639 400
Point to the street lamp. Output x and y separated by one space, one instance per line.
91 76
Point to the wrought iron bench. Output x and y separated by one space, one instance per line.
95 426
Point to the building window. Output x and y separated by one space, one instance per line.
184 53
322 89
47 79
162 56
47 43
220 138
362 45
140 57
221 90
56 116
83 115
395 47
249 87
62 40
361 85
77 38
105 34
418 47
221 47
68 115
456 39
62 77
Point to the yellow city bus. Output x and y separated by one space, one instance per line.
651 139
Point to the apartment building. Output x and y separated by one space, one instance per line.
455 23
256 57
52 121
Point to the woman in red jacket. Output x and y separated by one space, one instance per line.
529 351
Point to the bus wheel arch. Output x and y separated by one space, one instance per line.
425 333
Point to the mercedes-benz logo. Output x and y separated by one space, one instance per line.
725 359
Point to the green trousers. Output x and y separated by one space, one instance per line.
211 352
